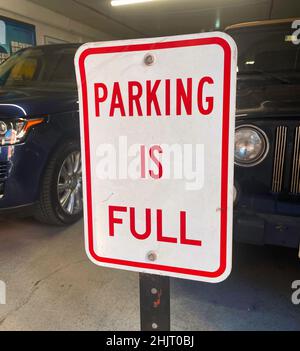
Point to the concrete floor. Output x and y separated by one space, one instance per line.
51 285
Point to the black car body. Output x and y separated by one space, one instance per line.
267 204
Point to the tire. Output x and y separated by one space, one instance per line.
60 182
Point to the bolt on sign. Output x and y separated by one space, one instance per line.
157 130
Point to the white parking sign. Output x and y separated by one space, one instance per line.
157 130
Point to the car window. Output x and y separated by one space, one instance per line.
64 69
39 67
24 70
266 49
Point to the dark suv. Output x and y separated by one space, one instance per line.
40 163
267 141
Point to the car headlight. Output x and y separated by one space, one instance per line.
234 194
251 145
13 131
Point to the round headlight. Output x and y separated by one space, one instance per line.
251 145
234 194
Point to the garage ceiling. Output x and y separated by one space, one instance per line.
167 17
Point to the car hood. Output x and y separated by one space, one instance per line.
257 98
32 102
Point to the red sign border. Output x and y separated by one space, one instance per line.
225 154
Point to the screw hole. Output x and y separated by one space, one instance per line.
149 59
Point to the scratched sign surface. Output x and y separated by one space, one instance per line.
157 130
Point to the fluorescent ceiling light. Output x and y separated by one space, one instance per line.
127 2
218 23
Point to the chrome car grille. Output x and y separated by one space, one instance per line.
280 164
295 178
4 170
279 158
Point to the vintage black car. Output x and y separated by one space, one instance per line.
267 140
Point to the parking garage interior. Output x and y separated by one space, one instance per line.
50 282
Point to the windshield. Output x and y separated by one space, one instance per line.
39 67
266 49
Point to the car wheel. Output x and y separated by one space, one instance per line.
60 200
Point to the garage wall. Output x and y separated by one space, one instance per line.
49 23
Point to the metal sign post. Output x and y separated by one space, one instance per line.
154 302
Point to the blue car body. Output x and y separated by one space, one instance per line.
22 165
